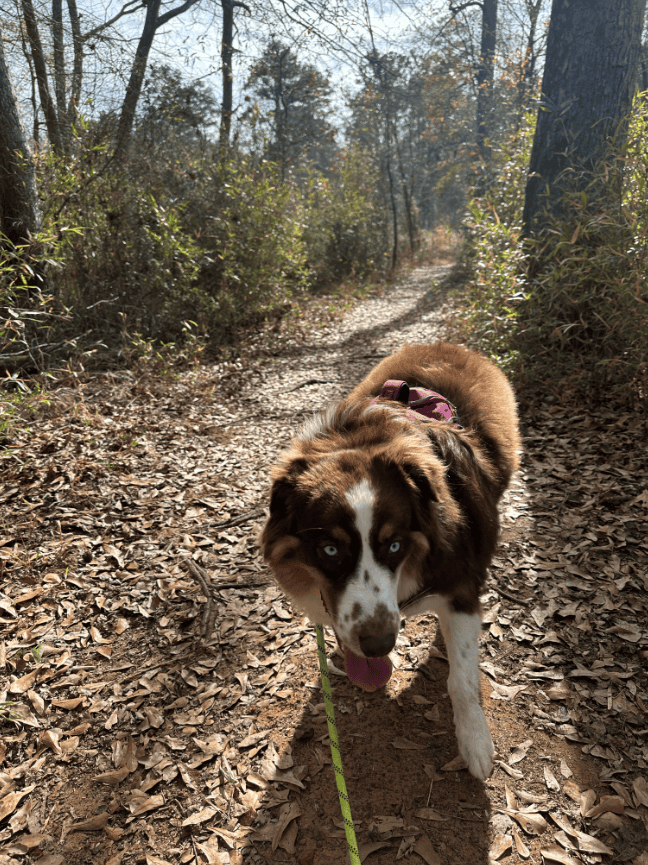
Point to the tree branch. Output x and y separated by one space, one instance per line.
162 19
135 4
455 10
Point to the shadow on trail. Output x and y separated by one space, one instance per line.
392 756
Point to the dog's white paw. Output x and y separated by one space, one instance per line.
475 743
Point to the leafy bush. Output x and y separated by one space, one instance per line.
130 263
571 304
179 245
344 228
28 312
249 232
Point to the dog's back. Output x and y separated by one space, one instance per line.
479 390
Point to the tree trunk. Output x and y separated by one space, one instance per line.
226 60
151 23
20 216
407 199
593 51
527 70
38 57
485 74
77 67
59 71
227 52
134 86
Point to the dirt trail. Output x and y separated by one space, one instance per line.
140 744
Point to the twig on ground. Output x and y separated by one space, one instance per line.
209 614
524 601
311 381
243 519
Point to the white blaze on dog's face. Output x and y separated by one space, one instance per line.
368 618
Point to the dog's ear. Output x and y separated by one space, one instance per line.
421 481
470 480
284 506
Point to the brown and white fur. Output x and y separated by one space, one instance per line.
374 516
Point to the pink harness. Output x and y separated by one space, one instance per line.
422 404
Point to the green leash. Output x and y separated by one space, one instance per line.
335 749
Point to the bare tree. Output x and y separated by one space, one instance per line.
227 51
40 68
485 69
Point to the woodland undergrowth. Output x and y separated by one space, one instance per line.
181 249
566 313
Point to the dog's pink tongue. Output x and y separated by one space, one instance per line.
370 674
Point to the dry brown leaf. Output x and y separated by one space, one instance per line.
155 716
24 683
50 739
530 798
550 780
426 851
587 800
201 816
9 803
454 765
557 854
521 848
506 692
430 814
115 777
386 823
590 844
211 852
37 702
365 849
70 744
608 804
559 691
92 824
520 752
289 838
533 824
627 631
143 805
640 790
573 791
513 773
72 703
500 845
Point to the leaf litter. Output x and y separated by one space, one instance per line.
126 737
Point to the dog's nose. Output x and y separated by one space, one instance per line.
377 647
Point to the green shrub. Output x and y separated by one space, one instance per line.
253 256
570 304
130 264
29 315
344 228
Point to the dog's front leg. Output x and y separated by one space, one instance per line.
461 634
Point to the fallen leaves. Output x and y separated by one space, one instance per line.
103 500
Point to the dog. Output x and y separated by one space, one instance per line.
379 511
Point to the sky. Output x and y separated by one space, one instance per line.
191 42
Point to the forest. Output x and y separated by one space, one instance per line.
215 219
322 145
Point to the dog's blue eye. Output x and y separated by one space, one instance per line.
330 550
395 547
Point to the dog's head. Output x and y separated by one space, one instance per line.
360 507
